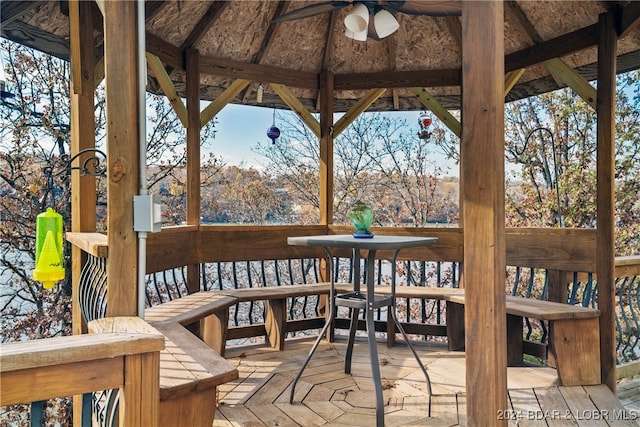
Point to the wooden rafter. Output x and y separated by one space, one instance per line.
167 86
223 99
204 24
297 107
392 45
365 102
520 17
630 19
328 51
12 10
266 43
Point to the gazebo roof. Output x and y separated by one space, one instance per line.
237 40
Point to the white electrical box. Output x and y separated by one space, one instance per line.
147 213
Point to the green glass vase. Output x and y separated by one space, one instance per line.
362 217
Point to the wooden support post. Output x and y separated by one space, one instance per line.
326 168
571 344
121 70
605 261
140 396
83 191
326 148
455 326
193 155
213 330
275 322
482 157
515 340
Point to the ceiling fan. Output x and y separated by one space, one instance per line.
375 19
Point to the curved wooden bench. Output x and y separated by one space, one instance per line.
190 371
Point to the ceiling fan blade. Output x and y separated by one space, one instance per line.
312 10
425 7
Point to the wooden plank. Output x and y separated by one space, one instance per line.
190 308
523 410
92 243
581 408
553 405
482 177
78 348
548 310
41 383
172 248
605 189
398 79
576 355
627 266
558 249
217 369
609 407
297 107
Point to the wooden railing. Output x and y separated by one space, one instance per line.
553 264
41 369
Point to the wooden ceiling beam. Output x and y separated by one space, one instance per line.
168 53
630 19
297 107
204 24
553 48
358 108
258 72
398 79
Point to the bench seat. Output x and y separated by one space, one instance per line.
573 338
190 371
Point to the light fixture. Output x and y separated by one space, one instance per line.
259 93
385 23
357 20
357 23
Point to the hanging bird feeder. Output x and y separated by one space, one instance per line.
424 121
273 132
49 259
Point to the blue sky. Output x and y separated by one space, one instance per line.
240 128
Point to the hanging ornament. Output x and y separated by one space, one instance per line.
273 132
424 121
49 265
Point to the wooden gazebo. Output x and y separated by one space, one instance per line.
221 51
